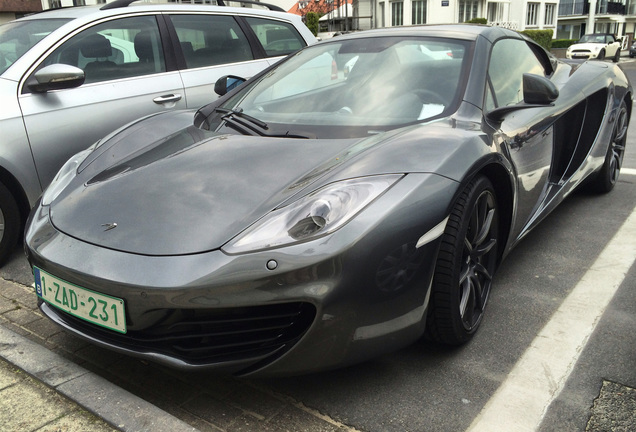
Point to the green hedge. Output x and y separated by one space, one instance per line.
477 21
311 21
542 37
563 43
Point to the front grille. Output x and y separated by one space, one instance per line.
214 335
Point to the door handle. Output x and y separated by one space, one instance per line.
167 98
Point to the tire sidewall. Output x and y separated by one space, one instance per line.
12 223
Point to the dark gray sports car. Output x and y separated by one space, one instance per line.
340 205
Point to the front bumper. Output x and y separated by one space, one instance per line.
340 299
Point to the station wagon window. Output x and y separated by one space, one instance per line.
16 38
116 49
510 59
278 38
208 40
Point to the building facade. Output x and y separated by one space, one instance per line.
12 9
579 17
514 14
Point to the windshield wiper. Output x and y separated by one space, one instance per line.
234 117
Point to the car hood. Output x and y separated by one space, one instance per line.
587 46
165 187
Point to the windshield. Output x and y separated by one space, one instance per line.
355 87
17 37
594 39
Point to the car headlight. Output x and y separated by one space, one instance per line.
319 213
64 176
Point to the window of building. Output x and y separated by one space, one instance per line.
468 9
550 9
532 17
397 13
495 12
418 12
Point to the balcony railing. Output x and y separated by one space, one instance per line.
569 8
611 8
512 25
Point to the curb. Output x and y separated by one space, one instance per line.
95 394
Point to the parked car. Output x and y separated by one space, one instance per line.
595 46
70 76
632 50
283 232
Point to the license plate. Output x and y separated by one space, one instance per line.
91 306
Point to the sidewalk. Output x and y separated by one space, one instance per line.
19 393
56 392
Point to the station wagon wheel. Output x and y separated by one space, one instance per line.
608 175
9 223
465 265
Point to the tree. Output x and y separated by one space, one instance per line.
311 21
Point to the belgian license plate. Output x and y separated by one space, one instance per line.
99 309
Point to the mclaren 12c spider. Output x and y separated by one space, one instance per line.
310 218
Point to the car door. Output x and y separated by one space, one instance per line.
126 78
212 46
525 134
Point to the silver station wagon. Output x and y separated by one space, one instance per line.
70 76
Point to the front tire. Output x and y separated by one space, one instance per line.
601 55
465 265
9 223
605 180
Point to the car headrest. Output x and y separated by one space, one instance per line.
143 46
96 46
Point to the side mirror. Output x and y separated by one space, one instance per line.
538 91
56 77
227 83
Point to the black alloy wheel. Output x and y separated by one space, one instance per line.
465 265
607 177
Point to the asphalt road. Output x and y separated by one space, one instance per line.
432 388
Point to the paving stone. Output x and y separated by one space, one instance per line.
256 403
7 304
213 410
43 327
20 293
21 316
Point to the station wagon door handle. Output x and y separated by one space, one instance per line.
167 98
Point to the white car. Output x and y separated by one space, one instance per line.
596 46
70 76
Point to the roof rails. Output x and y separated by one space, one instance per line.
125 3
